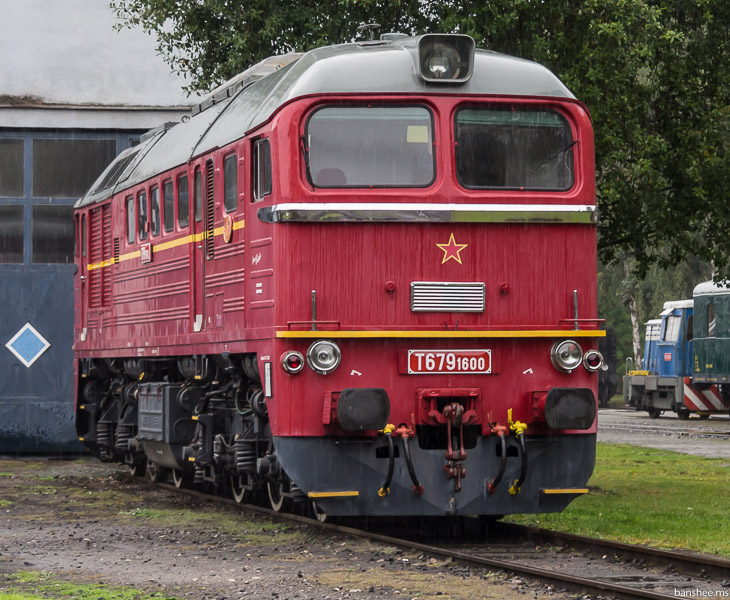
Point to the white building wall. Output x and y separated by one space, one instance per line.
64 55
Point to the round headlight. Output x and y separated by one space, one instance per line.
442 62
323 357
566 355
292 362
593 360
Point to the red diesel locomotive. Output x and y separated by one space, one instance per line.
364 276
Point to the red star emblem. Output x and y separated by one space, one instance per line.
451 250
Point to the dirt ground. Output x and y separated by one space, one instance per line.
82 522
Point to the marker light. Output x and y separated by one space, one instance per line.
323 357
593 360
292 362
566 355
445 58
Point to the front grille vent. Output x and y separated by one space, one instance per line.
447 296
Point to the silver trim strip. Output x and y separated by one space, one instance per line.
400 212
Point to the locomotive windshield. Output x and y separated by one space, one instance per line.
513 149
383 146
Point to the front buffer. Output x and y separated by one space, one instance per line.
347 476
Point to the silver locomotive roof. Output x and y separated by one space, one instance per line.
251 98
710 288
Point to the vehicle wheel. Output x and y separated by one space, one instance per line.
704 416
155 472
654 413
277 500
240 494
180 478
137 468
318 513
683 414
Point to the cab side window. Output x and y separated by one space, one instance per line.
230 183
198 196
261 169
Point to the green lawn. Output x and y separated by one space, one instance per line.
655 497
31 585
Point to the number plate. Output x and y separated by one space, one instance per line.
450 361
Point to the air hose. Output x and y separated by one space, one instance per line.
518 428
492 485
417 487
385 490
515 489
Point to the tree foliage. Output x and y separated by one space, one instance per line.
654 73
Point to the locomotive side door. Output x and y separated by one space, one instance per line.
197 270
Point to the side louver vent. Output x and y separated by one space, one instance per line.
209 211
447 296
100 250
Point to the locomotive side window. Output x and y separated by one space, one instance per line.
183 204
690 327
198 195
711 322
130 219
155 211
261 169
11 234
230 183
382 146
513 148
142 215
671 329
169 206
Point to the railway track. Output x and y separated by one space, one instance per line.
564 561
659 429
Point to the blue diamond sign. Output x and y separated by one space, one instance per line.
28 345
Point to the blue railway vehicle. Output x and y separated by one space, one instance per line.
659 385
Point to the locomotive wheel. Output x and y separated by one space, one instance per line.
137 468
155 472
180 479
240 494
653 412
704 416
318 513
683 414
277 500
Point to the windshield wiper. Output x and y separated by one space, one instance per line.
558 153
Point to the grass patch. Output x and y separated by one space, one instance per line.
31 585
656 497
617 402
